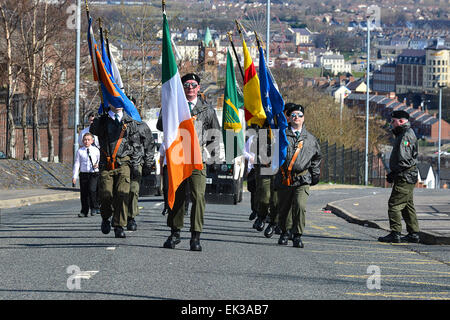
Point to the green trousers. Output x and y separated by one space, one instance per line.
267 199
133 208
292 201
401 205
197 185
114 190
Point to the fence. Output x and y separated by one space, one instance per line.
346 166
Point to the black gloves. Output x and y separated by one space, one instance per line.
314 180
134 172
390 177
146 171
148 168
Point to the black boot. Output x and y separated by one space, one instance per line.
411 237
278 230
252 215
131 225
268 233
172 240
106 226
119 233
283 239
297 241
259 224
164 212
393 237
195 241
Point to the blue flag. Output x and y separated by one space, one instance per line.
273 105
112 94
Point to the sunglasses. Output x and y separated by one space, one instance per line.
192 85
296 115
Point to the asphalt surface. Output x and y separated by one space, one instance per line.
43 246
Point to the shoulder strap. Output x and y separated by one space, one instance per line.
124 128
297 151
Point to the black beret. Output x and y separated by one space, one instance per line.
190 76
289 107
400 114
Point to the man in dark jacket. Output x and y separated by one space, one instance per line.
300 170
118 162
144 146
404 173
205 120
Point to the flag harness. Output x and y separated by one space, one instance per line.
112 165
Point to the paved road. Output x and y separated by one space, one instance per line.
40 243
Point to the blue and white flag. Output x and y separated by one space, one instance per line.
273 105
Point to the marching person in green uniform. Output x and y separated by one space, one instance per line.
205 119
300 170
118 164
404 175
266 194
145 150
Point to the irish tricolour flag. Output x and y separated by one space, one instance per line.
180 139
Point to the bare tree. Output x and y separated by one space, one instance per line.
41 26
10 13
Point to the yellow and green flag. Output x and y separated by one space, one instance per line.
231 123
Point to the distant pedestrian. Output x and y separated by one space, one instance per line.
404 175
300 170
86 167
90 116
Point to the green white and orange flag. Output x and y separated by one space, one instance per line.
180 138
254 112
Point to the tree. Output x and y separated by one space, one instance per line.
10 14
323 114
40 26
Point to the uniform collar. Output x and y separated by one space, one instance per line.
112 115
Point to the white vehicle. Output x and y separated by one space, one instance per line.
224 182
152 184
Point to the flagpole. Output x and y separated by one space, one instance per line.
235 54
107 44
77 80
98 76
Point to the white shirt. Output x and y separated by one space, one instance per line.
112 115
194 103
248 154
82 162
82 133
294 131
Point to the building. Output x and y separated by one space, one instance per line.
409 71
437 70
335 63
301 35
384 79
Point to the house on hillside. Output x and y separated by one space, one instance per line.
427 178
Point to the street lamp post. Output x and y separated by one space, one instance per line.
438 182
366 162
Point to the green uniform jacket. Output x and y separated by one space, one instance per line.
308 159
403 160
144 145
100 128
206 119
